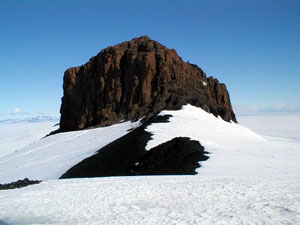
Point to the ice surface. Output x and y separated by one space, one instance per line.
248 179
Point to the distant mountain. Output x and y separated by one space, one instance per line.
36 119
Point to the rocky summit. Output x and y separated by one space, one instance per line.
137 79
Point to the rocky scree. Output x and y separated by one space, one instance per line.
18 184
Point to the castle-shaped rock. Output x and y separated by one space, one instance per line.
136 79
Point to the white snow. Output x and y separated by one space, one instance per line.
50 157
235 150
155 200
285 125
14 136
248 179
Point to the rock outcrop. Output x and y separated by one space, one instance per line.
18 184
179 156
127 156
135 79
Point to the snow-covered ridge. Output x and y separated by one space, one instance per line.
199 125
234 150
50 157
231 146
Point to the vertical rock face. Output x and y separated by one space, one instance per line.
135 79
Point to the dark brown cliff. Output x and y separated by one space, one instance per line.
137 79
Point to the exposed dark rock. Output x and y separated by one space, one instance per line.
120 158
115 158
135 79
18 184
178 156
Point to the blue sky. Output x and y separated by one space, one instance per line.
251 46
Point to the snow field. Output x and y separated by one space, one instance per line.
283 125
155 200
248 179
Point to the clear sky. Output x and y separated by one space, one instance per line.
251 46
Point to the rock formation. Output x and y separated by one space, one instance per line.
127 156
18 184
135 79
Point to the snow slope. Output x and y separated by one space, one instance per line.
50 157
235 150
16 135
248 179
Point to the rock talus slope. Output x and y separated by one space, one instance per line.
135 79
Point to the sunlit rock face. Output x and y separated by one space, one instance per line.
136 79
